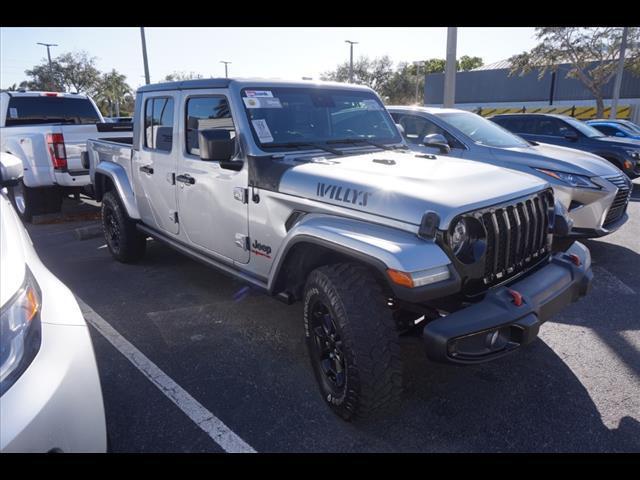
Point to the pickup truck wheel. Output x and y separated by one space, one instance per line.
124 240
352 341
26 200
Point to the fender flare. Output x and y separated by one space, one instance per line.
379 246
118 177
12 146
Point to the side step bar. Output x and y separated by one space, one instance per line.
202 258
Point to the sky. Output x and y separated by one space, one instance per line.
271 52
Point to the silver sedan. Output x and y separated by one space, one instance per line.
591 189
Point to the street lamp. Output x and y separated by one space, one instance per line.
49 45
225 68
351 44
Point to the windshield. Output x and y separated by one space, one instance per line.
299 117
483 131
45 109
583 128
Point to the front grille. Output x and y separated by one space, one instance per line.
621 200
516 235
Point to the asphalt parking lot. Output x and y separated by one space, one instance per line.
241 355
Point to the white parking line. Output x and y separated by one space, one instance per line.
203 418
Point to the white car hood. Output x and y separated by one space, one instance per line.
403 185
12 257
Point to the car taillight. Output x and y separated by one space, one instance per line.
57 151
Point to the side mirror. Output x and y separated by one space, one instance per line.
217 145
400 129
11 170
571 135
620 134
437 140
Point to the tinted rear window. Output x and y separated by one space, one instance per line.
30 110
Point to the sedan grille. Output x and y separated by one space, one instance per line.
621 200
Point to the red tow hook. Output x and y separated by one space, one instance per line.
516 296
575 259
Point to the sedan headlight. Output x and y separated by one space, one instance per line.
20 331
635 154
580 181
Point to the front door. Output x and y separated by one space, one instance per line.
212 201
416 127
154 165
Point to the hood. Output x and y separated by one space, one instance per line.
12 258
554 157
403 185
619 142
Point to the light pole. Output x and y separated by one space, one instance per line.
417 64
619 73
49 45
351 44
225 68
450 69
144 57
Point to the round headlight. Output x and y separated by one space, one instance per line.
459 236
467 239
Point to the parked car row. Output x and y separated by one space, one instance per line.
380 221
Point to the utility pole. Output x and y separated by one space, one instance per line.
417 64
144 57
351 61
616 87
450 69
225 68
49 45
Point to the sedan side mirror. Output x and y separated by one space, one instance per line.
217 145
11 170
437 140
571 135
620 134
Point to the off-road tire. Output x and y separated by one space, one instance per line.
30 201
369 340
123 239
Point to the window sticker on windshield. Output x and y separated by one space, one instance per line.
371 104
262 102
13 112
258 93
262 129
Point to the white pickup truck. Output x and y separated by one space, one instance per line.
48 132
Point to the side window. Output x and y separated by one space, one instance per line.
415 129
204 113
158 124
547 126
606 129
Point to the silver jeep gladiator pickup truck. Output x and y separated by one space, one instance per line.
308 192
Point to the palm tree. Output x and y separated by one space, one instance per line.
113 91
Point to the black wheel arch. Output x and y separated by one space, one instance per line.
305 253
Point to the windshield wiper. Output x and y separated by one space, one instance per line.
304 144
362 140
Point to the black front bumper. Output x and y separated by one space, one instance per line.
496 326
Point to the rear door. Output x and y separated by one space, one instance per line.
212 201
154 165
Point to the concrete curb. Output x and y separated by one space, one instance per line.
92 231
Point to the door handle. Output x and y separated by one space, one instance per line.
186 178
147 169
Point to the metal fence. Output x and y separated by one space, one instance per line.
579 112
